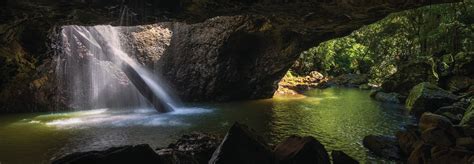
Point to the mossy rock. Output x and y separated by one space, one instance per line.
427 97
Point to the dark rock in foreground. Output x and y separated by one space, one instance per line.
301 150
126 154
241 146
383 146
339 157
193 148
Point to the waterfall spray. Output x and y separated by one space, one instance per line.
99 73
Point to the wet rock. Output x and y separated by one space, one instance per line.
437 136
125 154
426 97
339 157
302 150
408 138
193 148
408 76
241 146
383 146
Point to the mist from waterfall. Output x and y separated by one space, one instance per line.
95 71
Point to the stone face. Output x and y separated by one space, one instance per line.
383 146
250 48
339 157
240 146
125 154
427 97
302 150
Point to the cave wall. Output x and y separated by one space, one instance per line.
220 50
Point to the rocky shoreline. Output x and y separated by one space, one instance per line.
240 145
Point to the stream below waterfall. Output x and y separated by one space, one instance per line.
337 117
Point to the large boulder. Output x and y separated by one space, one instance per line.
242 146
339 157
126 154
426 153
383 146
409 75
427 97
430 121
303 150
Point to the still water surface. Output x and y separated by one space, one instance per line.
337 117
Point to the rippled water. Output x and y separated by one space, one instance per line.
339 118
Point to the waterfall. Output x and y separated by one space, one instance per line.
98 73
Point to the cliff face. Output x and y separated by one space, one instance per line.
219 49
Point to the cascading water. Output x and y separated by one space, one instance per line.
98 73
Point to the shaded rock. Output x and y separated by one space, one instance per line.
124 154
457 84
468 118
408 138
426 97
425 153
430 121
421 154
408 76
302 150
339 157
241 146
193 148
387 97
454 113
437 136
383 146
467 142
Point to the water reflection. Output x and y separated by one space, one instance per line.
339 118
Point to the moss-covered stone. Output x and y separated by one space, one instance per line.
427 97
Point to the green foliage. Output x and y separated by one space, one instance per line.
378 49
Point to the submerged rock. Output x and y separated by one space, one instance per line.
383 146
301 150
339 157
242 146
387 97
427 97
125 154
